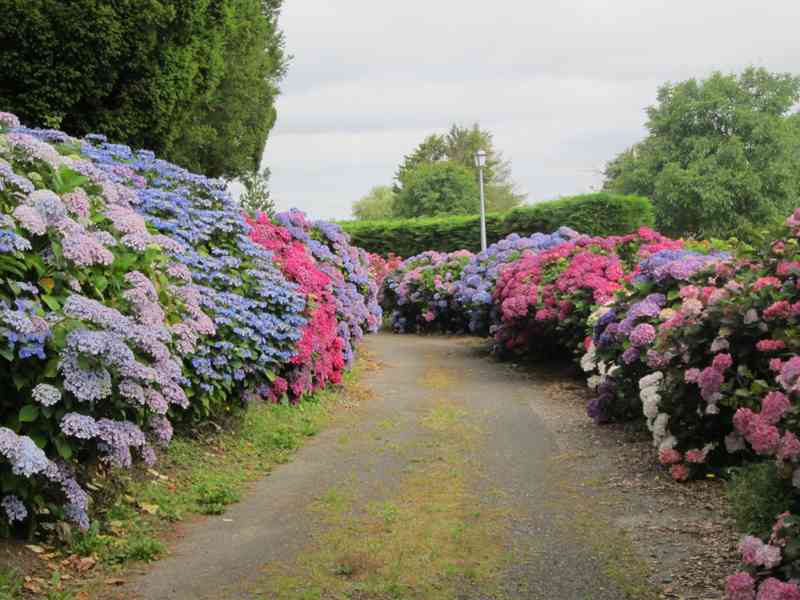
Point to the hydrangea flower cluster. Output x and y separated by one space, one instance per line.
132 293
550 295
475 288
357 308
380 268
319 358
421 293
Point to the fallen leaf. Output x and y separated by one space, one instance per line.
35 548
149 508
114 581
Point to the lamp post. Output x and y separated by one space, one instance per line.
480 162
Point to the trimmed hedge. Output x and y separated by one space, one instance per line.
601 213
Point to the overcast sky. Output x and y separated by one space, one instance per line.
562 84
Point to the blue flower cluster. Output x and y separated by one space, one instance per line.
257 313
24 331
678 264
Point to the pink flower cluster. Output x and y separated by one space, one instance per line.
559 287
319 359
380 267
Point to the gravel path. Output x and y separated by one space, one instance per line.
449 438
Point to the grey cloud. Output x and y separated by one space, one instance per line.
562 84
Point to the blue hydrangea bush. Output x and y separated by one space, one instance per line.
132 295
95 320
257 313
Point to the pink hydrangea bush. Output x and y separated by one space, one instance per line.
629 334
550 295
420 295
357 309
380 267
770 567
715 368
319 359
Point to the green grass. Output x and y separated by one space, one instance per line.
199 475
424 541
756 494
10 584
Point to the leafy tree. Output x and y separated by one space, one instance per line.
193 80
459 146
722 156
502 197
437 188
378 204
256 196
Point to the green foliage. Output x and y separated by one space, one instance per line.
722 154
501 197
194 80
10 584
441 188
256 197
212 500
602 213
459 146
757 495
378 204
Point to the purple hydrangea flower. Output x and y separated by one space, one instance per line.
15 509
643 335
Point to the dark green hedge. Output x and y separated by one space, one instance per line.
602 213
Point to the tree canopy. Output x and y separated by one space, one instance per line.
459 146
722 156
377 204
193 80
438 188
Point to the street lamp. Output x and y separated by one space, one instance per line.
480 162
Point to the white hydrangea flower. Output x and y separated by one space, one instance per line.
751 316
594 381
589 360
650 406
720 344
660 428
668 443
651 380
